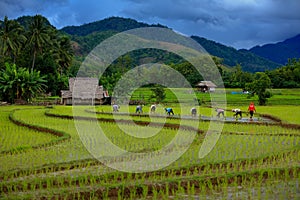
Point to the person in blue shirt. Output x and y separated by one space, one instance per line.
169 111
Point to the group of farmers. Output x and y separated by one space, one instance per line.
237 111
169 111
139 109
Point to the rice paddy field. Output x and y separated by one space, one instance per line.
43 155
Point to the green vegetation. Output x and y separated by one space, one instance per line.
43 156
20 83
250 160
259 86
231 57
32 44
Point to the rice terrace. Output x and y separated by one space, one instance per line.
42 156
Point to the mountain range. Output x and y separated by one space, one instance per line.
281 51
259 58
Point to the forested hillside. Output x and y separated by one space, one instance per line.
231 57
36 58
117 24
89 35
281 51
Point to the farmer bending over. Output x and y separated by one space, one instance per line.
194 112
220 111
116 108
153 108
169 111
139 109
237 112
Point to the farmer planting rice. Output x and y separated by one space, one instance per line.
116 108
220 111
169 111
153 108
139 109
194 111
237 112
251 109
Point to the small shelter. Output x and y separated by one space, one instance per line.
206 86
85 92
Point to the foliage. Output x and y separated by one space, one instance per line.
118 24
287 76
158 93
32 43
259 86
231 57
20 83
12 38
276 53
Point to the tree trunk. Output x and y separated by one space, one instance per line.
33 60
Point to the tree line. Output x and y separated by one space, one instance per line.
36 58
32 52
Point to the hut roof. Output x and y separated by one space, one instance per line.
84 88
206 84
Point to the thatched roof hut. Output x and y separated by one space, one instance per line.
206 86
84 91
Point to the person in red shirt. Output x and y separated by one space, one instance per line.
251 109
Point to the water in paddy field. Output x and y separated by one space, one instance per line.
274 189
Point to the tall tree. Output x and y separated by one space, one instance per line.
63 53
158 93
38 36
259 86
11 38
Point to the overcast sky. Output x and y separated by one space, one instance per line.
237 23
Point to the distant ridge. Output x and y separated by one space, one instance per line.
118 24
87 36
280 52
249 61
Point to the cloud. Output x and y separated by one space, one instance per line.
238 23
15 8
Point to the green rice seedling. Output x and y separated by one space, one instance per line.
144 191
154 192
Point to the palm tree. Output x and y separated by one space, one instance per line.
38 36
63 53
11 38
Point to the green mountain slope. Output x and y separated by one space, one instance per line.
117 24
281 51
249 61
87 36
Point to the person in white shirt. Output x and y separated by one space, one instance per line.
237 112
153 108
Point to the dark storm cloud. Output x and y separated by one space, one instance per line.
238 23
